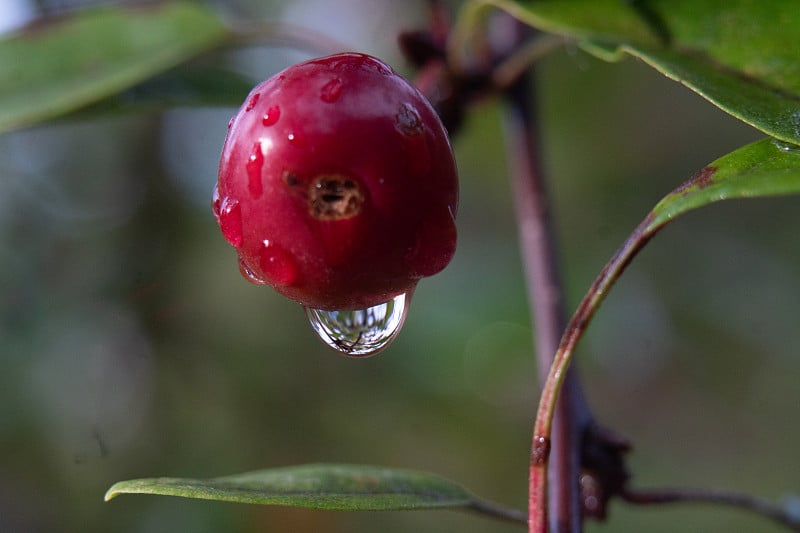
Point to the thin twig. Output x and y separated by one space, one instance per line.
497 511
508 71
556 378
759 506
559 371
545 295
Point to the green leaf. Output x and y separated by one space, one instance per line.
764 168
323 486
187 85
765 107
742 55
601 20
56 67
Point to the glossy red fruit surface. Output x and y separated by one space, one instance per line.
337 184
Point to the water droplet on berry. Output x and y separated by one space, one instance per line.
360 332
252 102
331 91
249 275
295 139
230 221
786 147
216 202
253 166
408 120
271 117
277 264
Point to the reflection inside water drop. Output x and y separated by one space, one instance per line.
360 332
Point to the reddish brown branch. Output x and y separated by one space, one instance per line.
545 294
737 500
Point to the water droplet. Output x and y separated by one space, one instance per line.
360 332
408 121
230 221
249 275
795 121
230 122
295 139
216 202
254 165
277 264
331 91
540 450
252 102
785 147
271 117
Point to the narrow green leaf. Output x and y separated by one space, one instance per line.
56 67
316 486
742 55
764 168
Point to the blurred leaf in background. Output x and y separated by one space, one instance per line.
65 63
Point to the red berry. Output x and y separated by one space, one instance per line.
337 184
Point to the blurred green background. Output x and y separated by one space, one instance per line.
132 347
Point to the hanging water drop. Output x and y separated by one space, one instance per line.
360 332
